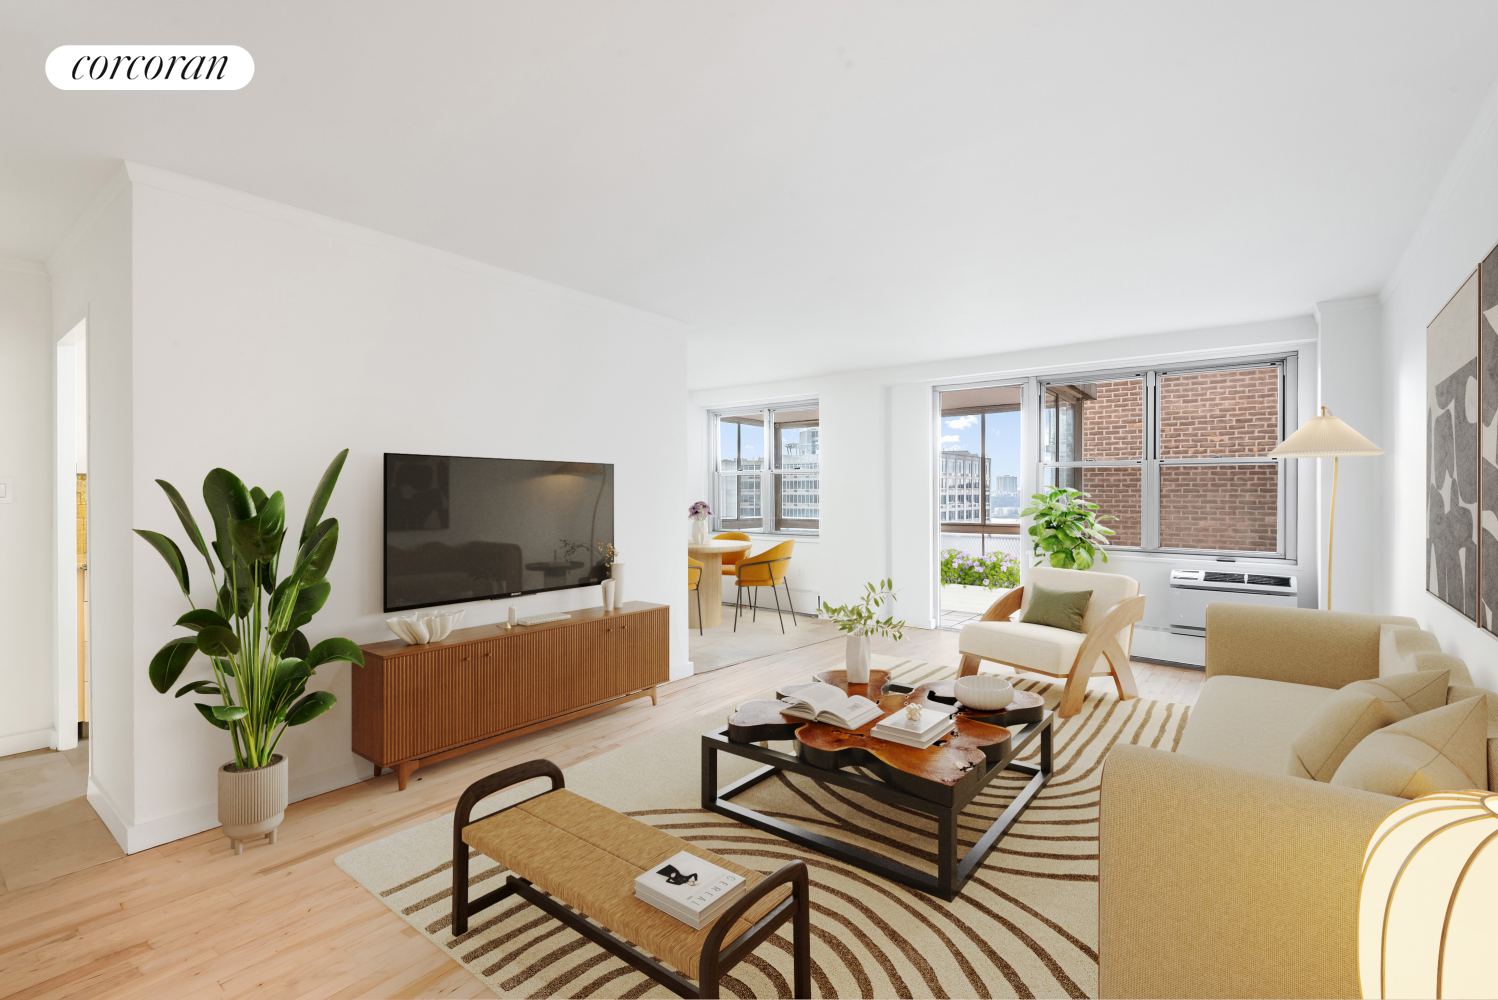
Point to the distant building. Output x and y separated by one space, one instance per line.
961 486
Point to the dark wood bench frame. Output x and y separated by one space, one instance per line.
716 959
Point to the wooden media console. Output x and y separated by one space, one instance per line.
417 705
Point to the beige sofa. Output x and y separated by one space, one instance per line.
1219 874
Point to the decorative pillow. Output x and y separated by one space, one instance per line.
1461 692
1334 728
1406 694
1397 646
1444 749
1455 666
1057 608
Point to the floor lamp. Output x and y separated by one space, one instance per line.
1326 437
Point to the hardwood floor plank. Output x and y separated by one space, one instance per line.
192 919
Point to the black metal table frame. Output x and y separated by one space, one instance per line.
952 871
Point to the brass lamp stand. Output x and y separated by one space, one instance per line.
1326 437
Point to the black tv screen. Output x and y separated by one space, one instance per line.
475 529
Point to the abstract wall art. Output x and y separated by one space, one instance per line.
1453 428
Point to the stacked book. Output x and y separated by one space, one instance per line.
692 890
921 733
824 703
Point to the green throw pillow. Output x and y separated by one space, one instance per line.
1057 608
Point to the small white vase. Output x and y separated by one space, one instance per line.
252 803
857 659
699 531
616 572
608 594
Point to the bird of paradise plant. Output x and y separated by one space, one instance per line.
253 634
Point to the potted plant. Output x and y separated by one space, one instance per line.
252 636
860 620
698 514
1065 528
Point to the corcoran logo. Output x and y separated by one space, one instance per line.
149 67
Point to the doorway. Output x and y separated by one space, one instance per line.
979 487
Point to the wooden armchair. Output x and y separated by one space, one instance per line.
1107 633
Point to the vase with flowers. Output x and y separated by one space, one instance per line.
698 514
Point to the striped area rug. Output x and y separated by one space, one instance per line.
1024 926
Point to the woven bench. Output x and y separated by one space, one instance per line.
576 859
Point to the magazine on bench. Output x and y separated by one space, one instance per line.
825 703
690 889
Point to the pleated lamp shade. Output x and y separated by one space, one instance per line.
1325 436
1427 921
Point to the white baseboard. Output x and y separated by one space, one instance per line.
37 739
105 807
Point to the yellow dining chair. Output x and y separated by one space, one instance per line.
764 570
732 559
694 584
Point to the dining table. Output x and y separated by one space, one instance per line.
710 554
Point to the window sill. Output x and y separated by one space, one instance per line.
1157 556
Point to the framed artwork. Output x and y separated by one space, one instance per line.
1453 446
1487 523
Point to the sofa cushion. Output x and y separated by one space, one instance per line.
1107 590
1461 692
1336 726
1034 647
1249 722
1404 649
1062 609
1406 694
1441 750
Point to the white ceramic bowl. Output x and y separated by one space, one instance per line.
985 692
419 629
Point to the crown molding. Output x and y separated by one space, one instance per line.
1332 306
23 265
192 187
108 191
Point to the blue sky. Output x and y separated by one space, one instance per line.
961 433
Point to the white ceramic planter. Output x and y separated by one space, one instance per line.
857 659
252 803
616 573
699 530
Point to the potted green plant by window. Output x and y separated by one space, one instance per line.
1065 528
860 620
252 636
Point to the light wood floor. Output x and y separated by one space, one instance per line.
192 919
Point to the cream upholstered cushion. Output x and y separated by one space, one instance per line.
1434 751
1406 694
1404 649
1039 647
1248 722
588 856
1034 647
1461 692
1298 645
1336 726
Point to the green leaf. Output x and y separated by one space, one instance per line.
169 662
309 601
228 713
170 553
207 712
201 687
189 523
320 496
257 539
335 649
257 497
200 618
299 647
310 708
216 640
315 557
227 500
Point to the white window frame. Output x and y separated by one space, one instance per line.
1151 463
770 520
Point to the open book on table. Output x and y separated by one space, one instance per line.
825 703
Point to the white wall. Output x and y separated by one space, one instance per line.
1458 231
264 339
878 440
26 700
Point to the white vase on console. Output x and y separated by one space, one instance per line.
857 658
608 594
699 531
616 574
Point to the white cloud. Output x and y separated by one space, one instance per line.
949 438
962 423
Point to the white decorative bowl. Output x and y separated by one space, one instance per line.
418 629
985 692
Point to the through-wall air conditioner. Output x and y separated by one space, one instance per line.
1191 590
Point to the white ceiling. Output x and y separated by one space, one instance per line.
812 186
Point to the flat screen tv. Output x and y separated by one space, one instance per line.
476 529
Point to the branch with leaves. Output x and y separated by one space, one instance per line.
861 617
253 634
1065 528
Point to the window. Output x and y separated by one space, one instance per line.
978 467
787 472
1179 456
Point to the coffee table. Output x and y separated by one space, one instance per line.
938 781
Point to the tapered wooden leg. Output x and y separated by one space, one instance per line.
652 695
404 770
1076 687
969 665
1123 674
